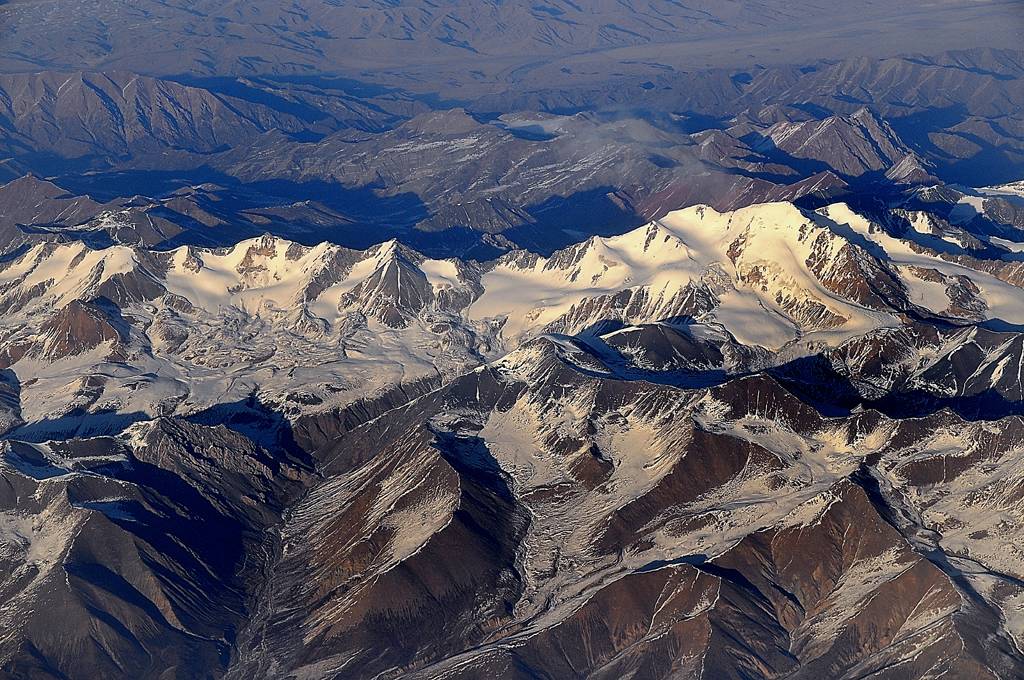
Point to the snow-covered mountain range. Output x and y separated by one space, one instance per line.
129 330
772 442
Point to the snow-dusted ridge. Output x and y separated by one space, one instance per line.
310 328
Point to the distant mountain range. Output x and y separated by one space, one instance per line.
448 180
450 46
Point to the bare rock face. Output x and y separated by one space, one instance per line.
83 114
10 401
853 145
395 292
30 199
134 555
79 327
